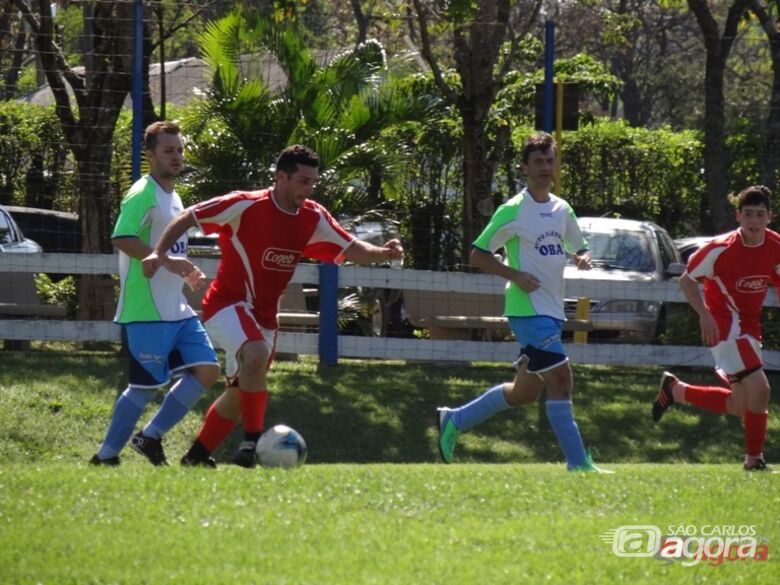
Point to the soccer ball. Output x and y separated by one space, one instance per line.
281 446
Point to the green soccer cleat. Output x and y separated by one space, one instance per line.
448 433
590 467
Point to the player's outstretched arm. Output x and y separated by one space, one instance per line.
159 256
709 328
362 252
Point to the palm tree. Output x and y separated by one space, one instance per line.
340 108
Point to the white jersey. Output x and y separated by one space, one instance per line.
147 209
537 238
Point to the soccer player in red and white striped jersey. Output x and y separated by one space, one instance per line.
736 270
262 236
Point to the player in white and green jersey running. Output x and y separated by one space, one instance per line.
164 335
538 232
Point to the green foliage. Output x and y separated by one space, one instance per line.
340 109
33 157
461 11
744 147
430 204
60 292
70 23
28 80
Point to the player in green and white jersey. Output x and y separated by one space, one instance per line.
538 232
164 335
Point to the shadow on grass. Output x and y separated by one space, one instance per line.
384 412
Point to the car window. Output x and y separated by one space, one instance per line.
622 250
669 253
7 232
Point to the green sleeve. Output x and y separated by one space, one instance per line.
134 212
493 236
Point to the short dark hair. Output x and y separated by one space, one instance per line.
755 195
538 142
153 131
295 155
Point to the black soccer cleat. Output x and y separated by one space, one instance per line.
759 465
198 456
246 455
665 397
150 448
107 462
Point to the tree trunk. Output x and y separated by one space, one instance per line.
715 168
769 162
95 292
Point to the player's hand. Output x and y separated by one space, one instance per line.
151 264
527 282
583 261
180 266
393 250
196 280
709 330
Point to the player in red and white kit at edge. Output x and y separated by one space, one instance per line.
262 235
736 269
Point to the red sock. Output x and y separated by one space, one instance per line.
712 398
755 432
253 410
215 429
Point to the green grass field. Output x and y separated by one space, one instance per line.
373 505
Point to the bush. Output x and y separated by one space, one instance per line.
34 158
60 292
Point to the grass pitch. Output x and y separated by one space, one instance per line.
380 524
372 505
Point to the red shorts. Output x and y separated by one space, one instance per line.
734 358
230 328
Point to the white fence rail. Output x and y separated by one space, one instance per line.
381 348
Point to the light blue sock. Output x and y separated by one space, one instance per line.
178 402
480 409
127 411
561 416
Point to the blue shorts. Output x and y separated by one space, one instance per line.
160 350
540 342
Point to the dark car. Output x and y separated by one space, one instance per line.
55 231
12 237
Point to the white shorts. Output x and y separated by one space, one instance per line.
231 328
736 357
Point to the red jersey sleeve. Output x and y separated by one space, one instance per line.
701 265
329 239
214 214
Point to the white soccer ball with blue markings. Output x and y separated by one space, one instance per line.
281 446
